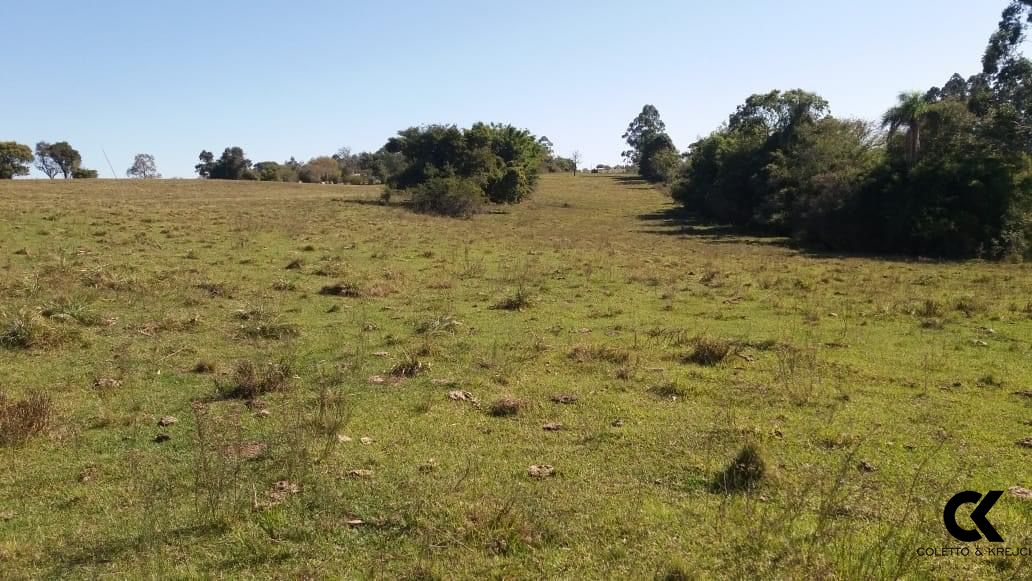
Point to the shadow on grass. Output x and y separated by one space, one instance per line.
631 180
675 220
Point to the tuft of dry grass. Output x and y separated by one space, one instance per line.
28 330
506 406
23 419
342 289
708 351
251 380
203 367
589 353
517 301
410 366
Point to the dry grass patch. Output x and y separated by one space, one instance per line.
342 289
251 380
506 406
28 330
589 353
23 419
708 351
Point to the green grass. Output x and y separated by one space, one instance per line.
860 382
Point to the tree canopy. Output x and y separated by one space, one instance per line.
14 159
57 158
144 167
232 165
500 162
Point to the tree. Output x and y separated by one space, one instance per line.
66 157
143 167
320 170
658 159
14 159
232 165
207 164
909 112
44 162
642 129
575 157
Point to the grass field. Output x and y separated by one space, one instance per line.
361 391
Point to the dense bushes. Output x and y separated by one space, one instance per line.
951 176
452 171
448 196
950 190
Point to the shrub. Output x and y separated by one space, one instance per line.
511 188
452 171
451 196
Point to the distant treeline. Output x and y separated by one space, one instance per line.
947 172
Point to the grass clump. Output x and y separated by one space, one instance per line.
506 407
23 419
410 366
259 323
676 570
589 353
743 473
669 390
251 380
71 309
216 289
341 289
518 301
439 325
28 330
709 351
203 367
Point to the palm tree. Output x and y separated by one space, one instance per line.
910 112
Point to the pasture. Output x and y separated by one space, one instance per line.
555 390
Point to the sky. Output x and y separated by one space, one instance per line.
305 78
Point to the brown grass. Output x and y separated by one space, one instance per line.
23 419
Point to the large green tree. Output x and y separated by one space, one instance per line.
642 130
14 159
57 158
232 165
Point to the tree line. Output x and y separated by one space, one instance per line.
945 172
61 159
442 169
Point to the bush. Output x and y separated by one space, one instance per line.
451 196
512 188
452 171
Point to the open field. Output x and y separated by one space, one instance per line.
874 390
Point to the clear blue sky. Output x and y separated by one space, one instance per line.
304 78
